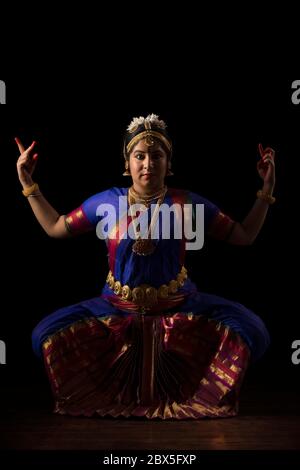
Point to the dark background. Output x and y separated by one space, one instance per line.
216 125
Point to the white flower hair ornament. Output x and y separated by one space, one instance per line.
150 119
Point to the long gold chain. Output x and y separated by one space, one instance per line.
144 246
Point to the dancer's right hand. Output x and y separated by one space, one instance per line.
26 163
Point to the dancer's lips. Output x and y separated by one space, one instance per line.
147 175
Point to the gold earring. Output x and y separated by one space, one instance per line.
169 172
126 172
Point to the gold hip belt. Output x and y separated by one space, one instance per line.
146 295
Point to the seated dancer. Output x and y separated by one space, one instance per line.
150 344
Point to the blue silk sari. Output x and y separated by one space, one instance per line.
183 356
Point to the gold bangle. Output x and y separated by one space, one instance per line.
265 197
28 191
35 194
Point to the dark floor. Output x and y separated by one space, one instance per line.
269 420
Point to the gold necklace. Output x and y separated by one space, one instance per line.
146 200
145 246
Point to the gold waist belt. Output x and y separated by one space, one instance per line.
146 295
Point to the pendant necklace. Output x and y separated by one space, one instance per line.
144 246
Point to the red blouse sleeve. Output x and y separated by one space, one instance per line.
221 226
77 222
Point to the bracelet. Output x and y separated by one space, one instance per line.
35 194
265 197
29 191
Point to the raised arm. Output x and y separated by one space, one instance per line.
245 233
52 222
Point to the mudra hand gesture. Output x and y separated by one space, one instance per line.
26 163
266 166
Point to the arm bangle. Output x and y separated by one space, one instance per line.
32 189
265 197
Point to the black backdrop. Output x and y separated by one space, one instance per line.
216 125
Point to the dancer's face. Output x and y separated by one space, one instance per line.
148 166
